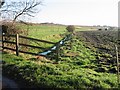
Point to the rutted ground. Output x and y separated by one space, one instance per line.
103 43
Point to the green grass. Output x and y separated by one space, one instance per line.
75 68
43 32
78 54
48 32
62 75
76 72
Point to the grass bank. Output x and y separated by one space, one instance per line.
49 75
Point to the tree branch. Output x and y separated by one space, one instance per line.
22 8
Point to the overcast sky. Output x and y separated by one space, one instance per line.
78 12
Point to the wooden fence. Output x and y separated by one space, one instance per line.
18 44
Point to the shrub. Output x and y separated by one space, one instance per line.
9 28
70 28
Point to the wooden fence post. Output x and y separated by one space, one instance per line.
17 44
57 52
2 42
118 78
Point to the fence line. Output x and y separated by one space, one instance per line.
20 51
117 60
29 38
37 40
17 44
24 45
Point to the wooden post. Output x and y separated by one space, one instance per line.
71 41
118 79
2 43
17 44
57 52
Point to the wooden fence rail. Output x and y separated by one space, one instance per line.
24 45
20 51
17 44
36 40
29 38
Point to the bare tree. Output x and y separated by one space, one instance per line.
21 8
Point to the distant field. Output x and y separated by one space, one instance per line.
49 32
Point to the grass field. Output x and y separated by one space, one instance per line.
77 68
48 32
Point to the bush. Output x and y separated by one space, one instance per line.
9 28
70 28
